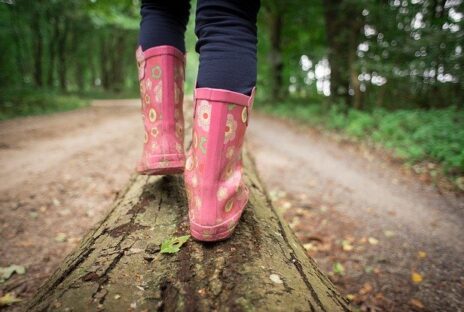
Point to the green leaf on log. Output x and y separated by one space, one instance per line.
172 245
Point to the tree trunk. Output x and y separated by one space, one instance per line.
275 54
52 50
104 59
62 59
343 22
38 48
16 30
118 267
338 85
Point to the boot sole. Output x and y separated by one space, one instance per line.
175 167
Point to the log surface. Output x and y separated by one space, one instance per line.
118 266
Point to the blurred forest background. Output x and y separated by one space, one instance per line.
387 72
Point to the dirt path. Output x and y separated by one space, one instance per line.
351 208
60 173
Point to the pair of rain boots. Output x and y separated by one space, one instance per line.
213 169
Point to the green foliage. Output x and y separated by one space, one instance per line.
26 102
69 45
413 135
173 244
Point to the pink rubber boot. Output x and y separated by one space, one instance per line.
213 174
161 75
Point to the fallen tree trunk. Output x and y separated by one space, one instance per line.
118 267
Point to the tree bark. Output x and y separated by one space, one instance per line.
343 22
117 266
275 53
52 50
38 48
62 59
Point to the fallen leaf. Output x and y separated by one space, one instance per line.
373 241
117 297
61 237
416 277
367 288
389 233
421 254
350 297
416 303
8 299
172 245
7 272
338 268
346 245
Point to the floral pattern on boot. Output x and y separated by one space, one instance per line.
161 76
216 192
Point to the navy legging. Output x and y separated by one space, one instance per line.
226 31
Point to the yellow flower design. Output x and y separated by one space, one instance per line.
156 72
152 115
229 205
190 163
154 132
179 129
204 115
228 171
146 99
231 128
244 115
145 139
221 193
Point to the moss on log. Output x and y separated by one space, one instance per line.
118 266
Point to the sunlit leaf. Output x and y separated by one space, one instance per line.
389 233
8 299
338 268
346 245
416 277
366 288
172 245
61 237
421 254
416 303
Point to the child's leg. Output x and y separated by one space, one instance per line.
163 23
226 31
217 194
161 64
